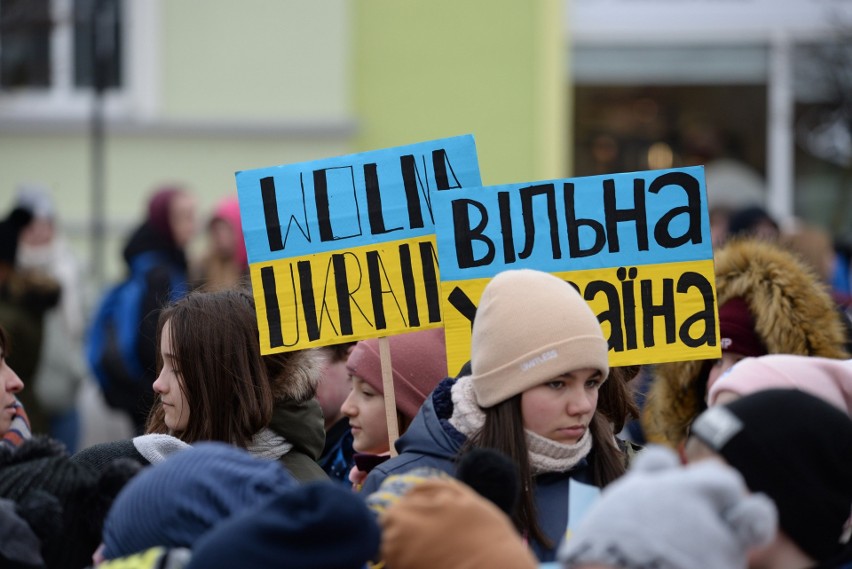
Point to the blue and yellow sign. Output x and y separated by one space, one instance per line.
636 245
343 249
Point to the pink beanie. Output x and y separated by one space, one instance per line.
418 360
828 379
228 210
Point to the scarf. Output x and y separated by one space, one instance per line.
267 444
545 455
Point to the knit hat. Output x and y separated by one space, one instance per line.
175 502
493 475
530 327
10 233
418 361
144 449
42 464
19 548
798 450
395 486
228 210
36 199
443 523
663 515
76 496
153 558
158 211
737 329
316 526
746 220
828 379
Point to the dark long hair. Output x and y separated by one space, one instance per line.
4 342
503 430
223 379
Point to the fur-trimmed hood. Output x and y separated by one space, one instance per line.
793 312
295 375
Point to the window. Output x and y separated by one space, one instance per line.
25 27
52 53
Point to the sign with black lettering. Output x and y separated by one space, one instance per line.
636 245
343 249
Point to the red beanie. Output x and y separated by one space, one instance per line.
158 210
737 328
418 360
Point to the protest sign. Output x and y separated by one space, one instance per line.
636 246
343 249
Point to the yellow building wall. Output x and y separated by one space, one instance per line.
494 68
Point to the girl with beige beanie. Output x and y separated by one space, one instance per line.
538 377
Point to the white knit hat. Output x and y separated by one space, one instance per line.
530 327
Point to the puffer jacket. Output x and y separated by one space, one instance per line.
793 312
431 441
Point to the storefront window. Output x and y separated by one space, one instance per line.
626 128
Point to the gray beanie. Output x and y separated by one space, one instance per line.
666 516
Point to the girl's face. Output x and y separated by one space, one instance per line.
365 408
182 218
222 238
11 384
562 408
168 385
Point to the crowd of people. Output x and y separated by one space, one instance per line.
537 454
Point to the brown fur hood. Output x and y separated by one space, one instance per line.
295 375
794 314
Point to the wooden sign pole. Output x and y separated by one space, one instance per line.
390 399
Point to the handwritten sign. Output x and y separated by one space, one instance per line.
343 249
636 245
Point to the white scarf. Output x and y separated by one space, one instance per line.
267 444
545 455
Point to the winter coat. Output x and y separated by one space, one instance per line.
297 415
431 441
61 368
302 425
793 313
25 297
157 294
338 455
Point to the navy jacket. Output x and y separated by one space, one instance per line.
431 441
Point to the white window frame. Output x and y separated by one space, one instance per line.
136 98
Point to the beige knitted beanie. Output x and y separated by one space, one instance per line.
530 327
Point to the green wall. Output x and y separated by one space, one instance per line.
260 59
494 68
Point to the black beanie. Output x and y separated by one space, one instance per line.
10 231
101 455
797 449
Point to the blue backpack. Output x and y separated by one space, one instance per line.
114 333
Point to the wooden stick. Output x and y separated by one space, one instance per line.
390 398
